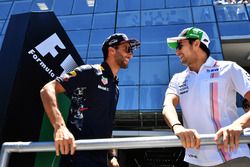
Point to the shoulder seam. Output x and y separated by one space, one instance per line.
97 69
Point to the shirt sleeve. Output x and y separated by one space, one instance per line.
241 79
79 77
172 88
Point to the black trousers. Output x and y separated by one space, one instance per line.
85 159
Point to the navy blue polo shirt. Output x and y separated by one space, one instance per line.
94 94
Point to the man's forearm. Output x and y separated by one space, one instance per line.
48 96
244 120
170 115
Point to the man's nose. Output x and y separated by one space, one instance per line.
130 55
177 52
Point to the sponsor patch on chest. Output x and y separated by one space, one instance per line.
104 80
103 88
213 70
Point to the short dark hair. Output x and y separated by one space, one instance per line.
202 46
105 53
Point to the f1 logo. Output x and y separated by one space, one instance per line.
48 46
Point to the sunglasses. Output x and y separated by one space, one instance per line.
129 50
179 46
126 49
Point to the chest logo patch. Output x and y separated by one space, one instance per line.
213 70
104 80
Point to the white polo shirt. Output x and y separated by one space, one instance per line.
208 102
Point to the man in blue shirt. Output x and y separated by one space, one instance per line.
94 94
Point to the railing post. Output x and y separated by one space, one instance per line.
5 155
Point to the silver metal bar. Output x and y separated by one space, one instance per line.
4 157
100 144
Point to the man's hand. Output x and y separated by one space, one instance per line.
189 137
64 141
114 162
230 135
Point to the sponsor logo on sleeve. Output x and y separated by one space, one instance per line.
248 75
183 87
69 75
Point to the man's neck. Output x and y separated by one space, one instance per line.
114 68
197 65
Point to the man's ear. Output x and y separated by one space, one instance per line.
111 50
196 43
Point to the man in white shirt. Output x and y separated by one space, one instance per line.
246 108
206 92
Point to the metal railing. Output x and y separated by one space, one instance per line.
100 144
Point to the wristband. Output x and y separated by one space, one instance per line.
172 127
111 157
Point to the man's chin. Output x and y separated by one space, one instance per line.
124 67
182 62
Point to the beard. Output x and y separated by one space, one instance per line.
122 61
123 65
